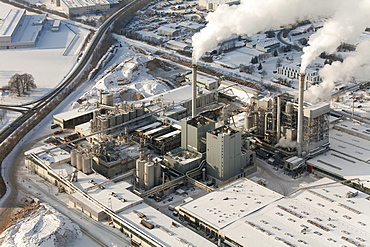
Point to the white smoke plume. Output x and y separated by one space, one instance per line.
348 22
285 143
357 65
252 16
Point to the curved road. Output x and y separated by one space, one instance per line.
9 203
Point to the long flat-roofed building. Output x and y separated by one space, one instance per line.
20 30
325 213
82 7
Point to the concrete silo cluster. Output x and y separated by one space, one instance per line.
148 172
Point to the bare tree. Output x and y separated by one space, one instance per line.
21 84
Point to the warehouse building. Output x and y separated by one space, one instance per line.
247 214
79 7
19 30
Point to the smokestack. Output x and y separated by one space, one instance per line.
300 114
194 92
278 117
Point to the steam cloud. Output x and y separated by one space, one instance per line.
285 143
253 16
347 23
356 65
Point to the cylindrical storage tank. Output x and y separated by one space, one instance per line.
104 123
74 157
126 117
289 107
132 114
86 164
119 119
157 174
79 161
149 175
108 99
139 111
248 121
140 172
112 121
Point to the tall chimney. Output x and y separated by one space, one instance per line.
194 92
300 114
278 117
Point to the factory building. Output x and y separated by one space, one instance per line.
274 120
226 160
244 213
19 30
267 45
212 5
203 81
193 133
78 7
292 71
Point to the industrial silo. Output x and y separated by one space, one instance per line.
126 117
248 121
108 99
74 157
112 121
149 175
119 119
79 161
140 171
104 123
86 164
157 173
132 114
139 111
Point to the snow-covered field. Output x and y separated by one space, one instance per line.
49 61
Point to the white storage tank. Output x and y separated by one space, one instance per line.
86 164
107 99
157 173
248 121
79 161
74 157
149 175
140 172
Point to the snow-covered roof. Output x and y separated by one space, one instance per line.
28 31
201 78
167 29
191 25
68 115
84 3
228 204
176 96
116 196
316 216
166 230
11 22
178 44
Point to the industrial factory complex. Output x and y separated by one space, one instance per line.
117 156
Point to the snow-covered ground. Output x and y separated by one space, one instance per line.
53 57
44 227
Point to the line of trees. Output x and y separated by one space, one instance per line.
21 84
